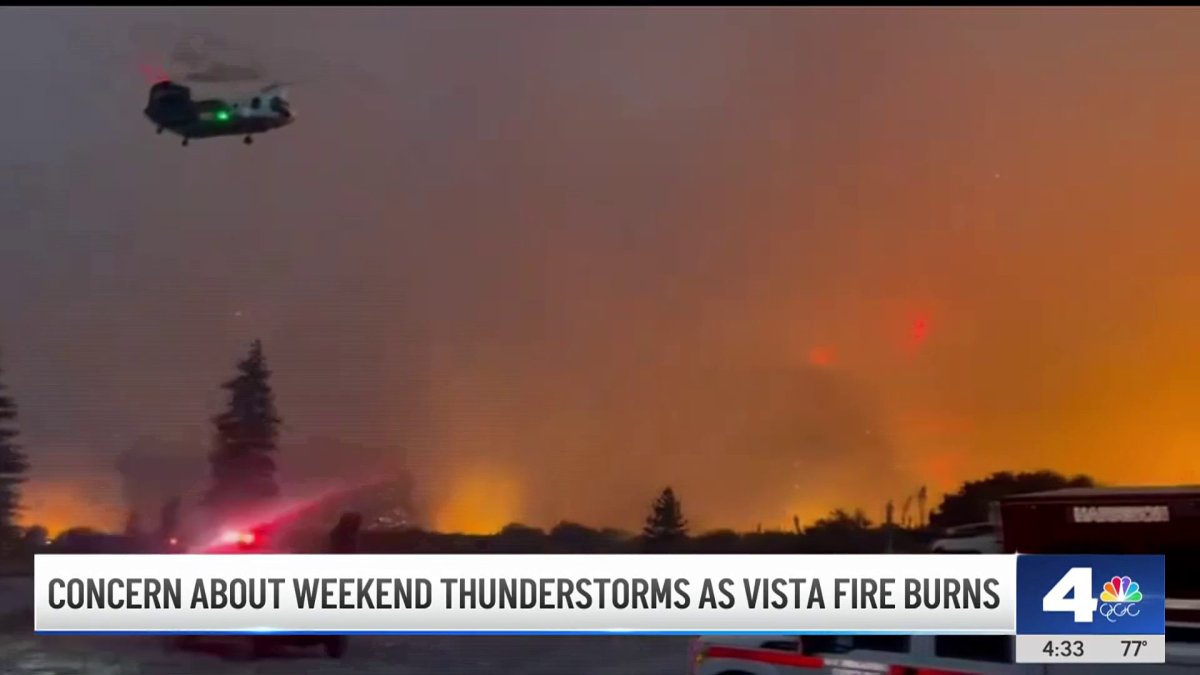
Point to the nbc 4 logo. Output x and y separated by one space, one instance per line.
1073 593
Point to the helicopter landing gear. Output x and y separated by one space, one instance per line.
158 131
185 142
248 139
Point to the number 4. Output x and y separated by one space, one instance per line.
1077 583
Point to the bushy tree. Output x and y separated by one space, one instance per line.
843 531
665 522
719 541
520 538
843 520
972 502
575 538
243 470
13 469
34 538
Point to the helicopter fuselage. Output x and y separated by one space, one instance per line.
172 108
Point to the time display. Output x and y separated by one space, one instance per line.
1063 648
1091 649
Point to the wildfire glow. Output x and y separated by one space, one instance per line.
59 507
477 500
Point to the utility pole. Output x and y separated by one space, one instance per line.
889 526
922 495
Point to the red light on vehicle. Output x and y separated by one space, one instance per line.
173 541
763 656
246 538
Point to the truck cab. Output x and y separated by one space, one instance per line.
1121 520
896 655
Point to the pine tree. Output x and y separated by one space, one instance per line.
13 467
246 434
666 521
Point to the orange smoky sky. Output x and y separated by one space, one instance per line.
781 260
61 506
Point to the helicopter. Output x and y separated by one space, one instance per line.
171 107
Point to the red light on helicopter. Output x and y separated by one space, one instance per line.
154 75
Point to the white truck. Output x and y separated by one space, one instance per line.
973 538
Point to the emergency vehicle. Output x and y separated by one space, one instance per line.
1086 520
896 655
1130 520
265 537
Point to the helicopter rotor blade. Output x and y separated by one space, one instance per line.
225 72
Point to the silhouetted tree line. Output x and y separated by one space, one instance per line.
970 504
666 529
243 471
575 538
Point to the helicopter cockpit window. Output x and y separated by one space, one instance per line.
278 105
255 103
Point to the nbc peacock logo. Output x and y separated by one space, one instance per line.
1121 589
1120 597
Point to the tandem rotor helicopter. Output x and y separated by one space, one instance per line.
210 87
172 108
224 109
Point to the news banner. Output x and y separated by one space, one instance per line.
1068 609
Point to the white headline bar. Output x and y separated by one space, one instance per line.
526 593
